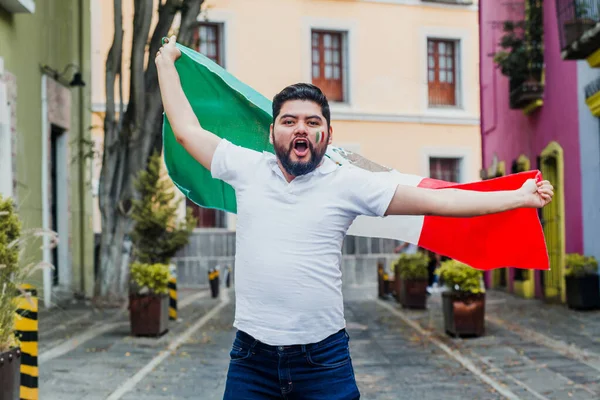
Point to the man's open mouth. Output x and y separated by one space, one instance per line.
301 147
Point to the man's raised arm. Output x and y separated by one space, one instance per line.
200 143
466 203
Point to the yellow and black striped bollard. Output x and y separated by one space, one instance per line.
173 298
213 280
26 327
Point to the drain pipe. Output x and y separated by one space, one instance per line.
81 161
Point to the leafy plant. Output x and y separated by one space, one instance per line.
579 265
14 269
460 277
150 278
158 233
522 54
411 266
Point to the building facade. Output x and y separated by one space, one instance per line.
44 128
534 116
401 75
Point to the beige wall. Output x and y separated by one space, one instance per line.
386 117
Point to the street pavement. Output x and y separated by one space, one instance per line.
531 350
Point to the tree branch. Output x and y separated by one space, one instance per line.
111 135
166 15
141 28
189 15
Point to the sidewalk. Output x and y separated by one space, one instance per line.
536 350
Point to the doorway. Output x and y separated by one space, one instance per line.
553 222
59 205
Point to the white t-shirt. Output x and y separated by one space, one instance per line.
288 280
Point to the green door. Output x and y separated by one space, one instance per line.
553 224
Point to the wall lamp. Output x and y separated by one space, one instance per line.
76 80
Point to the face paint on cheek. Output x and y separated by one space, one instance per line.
320 137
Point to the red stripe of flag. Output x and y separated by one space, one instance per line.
509 239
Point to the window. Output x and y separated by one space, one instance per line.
445 169
328 63
207 40
207 217
441 72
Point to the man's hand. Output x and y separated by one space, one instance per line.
168 52
536 194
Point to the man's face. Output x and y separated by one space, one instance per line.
294 136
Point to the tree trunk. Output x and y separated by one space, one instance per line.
132 136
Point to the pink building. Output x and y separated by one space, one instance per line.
535 114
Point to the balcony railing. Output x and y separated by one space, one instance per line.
578 27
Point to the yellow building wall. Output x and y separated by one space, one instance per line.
267 45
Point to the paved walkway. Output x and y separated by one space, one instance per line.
530 351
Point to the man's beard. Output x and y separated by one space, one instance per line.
298 168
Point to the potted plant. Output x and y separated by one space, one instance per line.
148 301
522 58
10 353
14 270
411 279
583 20
582 282
157 235
463 302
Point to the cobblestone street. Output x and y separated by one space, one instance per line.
531 350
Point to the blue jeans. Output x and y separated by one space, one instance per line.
309 372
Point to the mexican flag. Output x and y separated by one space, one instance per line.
233 110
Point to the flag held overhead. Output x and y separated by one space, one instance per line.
234 111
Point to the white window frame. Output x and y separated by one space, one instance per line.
349 30
224 20
467 171
462 68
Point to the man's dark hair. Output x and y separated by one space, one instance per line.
302 91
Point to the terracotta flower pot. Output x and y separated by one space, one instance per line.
464 313
149 314
10 374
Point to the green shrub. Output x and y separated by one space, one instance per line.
580 265
460 277
150 278
158 233
411 266
10 232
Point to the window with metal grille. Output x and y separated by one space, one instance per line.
441 72
445 169
328 63
207 40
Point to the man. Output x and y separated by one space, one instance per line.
294 209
